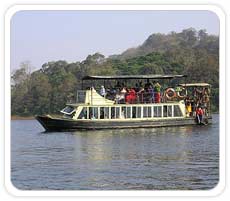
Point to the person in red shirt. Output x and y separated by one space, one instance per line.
199 114
132 94
131 97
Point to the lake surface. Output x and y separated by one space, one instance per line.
183 158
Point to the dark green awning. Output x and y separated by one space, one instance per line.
127 77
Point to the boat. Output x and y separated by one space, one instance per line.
141 107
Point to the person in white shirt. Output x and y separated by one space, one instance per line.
102 91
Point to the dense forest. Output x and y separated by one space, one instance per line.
191 52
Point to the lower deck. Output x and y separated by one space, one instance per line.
60 124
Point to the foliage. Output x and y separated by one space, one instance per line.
190 52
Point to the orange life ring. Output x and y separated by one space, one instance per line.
170 93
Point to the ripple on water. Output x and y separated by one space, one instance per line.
182 158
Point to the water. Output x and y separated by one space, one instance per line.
183 158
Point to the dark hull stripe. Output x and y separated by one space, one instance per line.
53 124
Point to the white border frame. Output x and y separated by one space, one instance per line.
213 192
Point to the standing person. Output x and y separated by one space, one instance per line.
151 93
157 94
140 95
132 94
199 114
118 85
123 94
189 109
102 91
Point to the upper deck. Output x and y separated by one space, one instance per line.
122 89
141 90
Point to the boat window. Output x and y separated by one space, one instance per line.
101 112
117 112
177 111
157 110
113 113
104 113
68 110
138 112
165 111
123 112
93 113
169 111
134 112
83 114
149 112
80 96
128 112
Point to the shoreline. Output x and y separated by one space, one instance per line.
15 117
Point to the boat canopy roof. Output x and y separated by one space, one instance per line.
195 85
127 77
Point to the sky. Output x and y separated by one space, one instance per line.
43 36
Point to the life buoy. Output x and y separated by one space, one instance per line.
182 93
170 93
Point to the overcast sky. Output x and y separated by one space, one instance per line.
42 36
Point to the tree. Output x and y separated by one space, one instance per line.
22 74
151 69
190 52
38 98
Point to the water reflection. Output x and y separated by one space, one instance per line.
150 152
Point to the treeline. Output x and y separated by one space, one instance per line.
190 52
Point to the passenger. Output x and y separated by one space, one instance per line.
205 97
102 91
146 95
199 94
199 115
118 85
113 92
193 108
151 93
140 85
140 95
119 98
189 109
131 97
157 90
127 96
205 101
136 87
122 95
